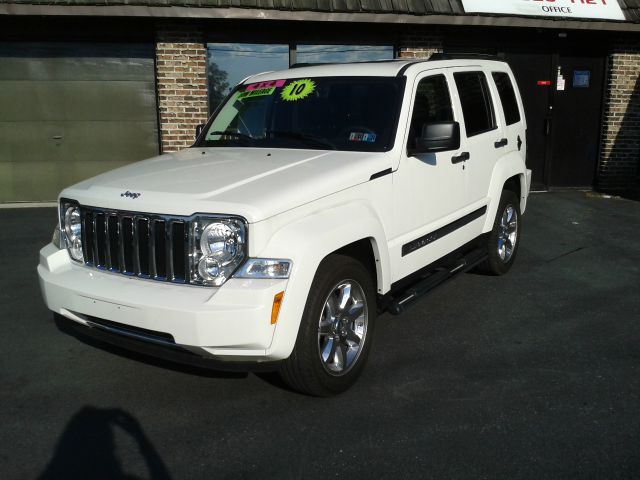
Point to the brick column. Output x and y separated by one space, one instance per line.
419 42
181 75
618 166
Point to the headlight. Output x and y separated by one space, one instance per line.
71 230
219 248
265 268
55 238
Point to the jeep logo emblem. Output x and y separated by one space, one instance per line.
130 194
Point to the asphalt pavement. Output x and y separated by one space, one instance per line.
532 375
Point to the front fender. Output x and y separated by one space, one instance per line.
307 241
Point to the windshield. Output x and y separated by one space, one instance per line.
325 113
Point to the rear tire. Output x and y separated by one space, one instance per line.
503 241
335 334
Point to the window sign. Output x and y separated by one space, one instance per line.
600 9
581 78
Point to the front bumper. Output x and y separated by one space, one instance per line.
232 322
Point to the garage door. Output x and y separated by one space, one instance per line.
71 111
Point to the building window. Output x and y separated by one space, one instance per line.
230 63
343 53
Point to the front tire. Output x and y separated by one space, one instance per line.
503 241
336 330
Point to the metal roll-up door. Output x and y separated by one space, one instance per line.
70 111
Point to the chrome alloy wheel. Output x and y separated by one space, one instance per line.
342 328
507 233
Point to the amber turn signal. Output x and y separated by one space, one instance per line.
275 309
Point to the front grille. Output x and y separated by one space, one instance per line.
136 244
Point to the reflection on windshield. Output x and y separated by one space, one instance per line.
327 113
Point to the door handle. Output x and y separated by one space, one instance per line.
463 157
56 137
502 143
547 126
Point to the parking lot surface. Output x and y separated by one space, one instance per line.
535 374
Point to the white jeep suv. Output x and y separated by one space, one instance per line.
313 199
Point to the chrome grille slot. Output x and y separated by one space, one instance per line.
180 242
142 230
100 239
147 246
160 249
127 244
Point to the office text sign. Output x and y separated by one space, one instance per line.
601 9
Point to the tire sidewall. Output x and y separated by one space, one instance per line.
333 270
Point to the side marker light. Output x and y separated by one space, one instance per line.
275 309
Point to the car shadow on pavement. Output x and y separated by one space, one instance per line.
87 448
68 327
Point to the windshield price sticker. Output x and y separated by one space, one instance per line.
256 93
265 85
297 90
362 137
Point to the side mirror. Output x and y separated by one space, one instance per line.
437 137
199 129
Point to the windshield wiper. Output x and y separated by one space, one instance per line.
232 134
305 137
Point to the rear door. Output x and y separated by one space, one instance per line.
511 113
481 130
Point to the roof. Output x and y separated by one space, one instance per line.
388 68
415 8
631 9
383 68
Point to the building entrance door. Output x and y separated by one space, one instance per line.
562 95
533 72
577 115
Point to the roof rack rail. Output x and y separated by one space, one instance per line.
391 60
464 56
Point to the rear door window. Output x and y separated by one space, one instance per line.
475 99
507 97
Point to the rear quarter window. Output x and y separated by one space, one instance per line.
475 99
507 97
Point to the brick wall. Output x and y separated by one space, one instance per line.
419 42
618 166
181 75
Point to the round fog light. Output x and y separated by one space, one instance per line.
209 268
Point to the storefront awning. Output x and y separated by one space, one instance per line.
435 12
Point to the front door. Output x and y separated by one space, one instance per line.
429 188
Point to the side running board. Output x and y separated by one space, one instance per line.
402 300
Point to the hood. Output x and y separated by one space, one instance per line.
253 183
